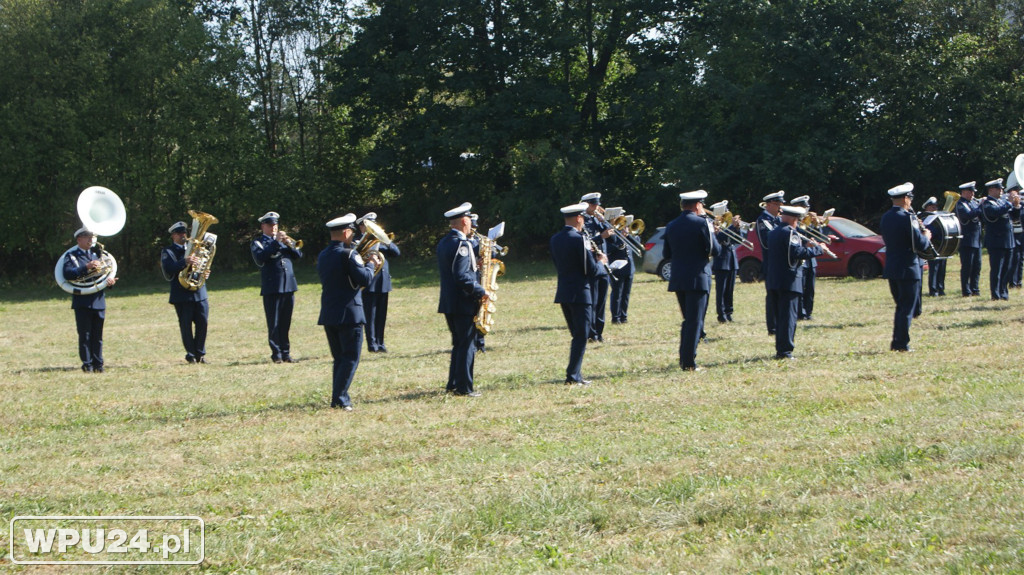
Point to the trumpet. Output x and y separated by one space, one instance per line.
288 241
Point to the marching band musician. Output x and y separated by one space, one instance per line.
903 237
968 211
767 221
191 307
273 251
936 267
461 293
996 213
690 244
810 269
1017 265
599 230
375 296
90 309
343 275
474 241
577 267
624 270
788 251
725 267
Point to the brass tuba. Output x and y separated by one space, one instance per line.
369 242
202 245
102 213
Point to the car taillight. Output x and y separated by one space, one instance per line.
649 246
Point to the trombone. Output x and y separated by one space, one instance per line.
723 223
812 223
628 230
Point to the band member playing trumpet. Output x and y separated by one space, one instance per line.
788 251
375 296
577 265
767 221
806 307
343 275
191 307
90 309
968 211
273 251
725 267
996 214
904 236
461 293
690 243
599 230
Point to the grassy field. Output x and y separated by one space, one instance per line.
850 459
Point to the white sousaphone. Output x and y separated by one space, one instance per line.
102 213
1016 177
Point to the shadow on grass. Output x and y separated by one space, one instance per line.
975 323
832 326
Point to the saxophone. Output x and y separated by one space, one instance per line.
202 245
490 270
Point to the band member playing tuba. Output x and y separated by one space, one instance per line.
90 308
192 307
690 244
375 296
343 275
273 251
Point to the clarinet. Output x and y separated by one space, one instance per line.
929 253
588 241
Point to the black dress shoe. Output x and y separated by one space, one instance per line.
382 349
722 319
470 394
692 368
901 349
87 368
288 359
784 356
276 359
190 359
728 317
97 369
201 360
581 382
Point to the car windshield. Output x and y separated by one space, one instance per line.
850 229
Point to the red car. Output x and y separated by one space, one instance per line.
859 252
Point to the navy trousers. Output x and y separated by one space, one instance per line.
598 295
620 293
278 309
193 314
937 277
577 317
771 305
999 260
787 311
807 298
460 368
346 343
970 270
1017 266
375 305
725 285
906 294
89 323
693 304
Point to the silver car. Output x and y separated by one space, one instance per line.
654 261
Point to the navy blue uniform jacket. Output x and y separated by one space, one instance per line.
460 290
342 274
172 259
576 266
901 236
275 261
75 267
787 253
690 244
726 258
969 214
998 228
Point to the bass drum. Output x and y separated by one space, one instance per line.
946 233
